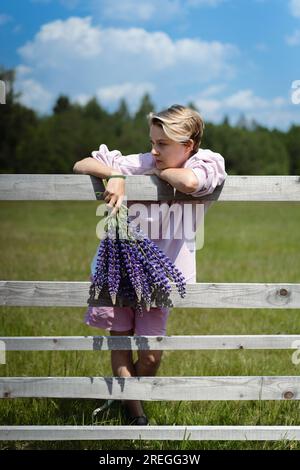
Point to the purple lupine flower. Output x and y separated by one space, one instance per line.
114 275
128 259
100 276
159 255
132 267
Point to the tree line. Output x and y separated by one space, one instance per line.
33 143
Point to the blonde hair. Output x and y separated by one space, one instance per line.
180 124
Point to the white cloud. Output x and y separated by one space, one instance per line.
23 70
76 37
213 90
34 95
82 99
136 11
55 40
5 19
77 58
146 10
245 100
142 11
210 109
294 6
275 112
294 39
113 94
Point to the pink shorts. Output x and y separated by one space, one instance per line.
152 323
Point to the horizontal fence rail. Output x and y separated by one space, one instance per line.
33 187
18 187
134 343
205 295
154 388
154 433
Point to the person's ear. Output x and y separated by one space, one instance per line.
189 145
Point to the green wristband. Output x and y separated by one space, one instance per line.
116 176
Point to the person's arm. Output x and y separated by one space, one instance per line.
90 166
115 188
209 170
104 163
182 179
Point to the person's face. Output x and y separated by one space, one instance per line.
167 152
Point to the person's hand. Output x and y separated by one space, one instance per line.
114 194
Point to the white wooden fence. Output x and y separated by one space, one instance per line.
200 295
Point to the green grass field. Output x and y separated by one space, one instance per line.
244 242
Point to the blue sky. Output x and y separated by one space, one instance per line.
227 56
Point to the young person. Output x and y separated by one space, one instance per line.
176 157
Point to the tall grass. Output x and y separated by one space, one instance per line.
244 242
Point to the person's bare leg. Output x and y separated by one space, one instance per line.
122 366
148 362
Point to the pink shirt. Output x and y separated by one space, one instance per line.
172 230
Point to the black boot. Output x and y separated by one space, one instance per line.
138 420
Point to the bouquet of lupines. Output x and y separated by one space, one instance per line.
130 266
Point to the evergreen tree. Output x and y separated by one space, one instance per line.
62 104
15 121
140 125
93 110
51 144
292 142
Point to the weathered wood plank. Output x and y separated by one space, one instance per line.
154 388
144 188
204 295
105 343
173 433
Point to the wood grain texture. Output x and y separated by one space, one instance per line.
204 295
68 187
134 343
154 388
174 433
